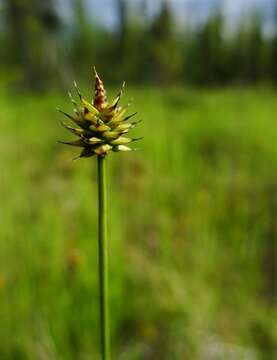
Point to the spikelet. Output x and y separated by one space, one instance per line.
102 125
100 99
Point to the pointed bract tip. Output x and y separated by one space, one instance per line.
63 124
77 89
129 116
94 70
97 77
137 122
137 139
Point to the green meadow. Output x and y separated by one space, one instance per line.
192 230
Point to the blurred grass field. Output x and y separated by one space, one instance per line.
192 230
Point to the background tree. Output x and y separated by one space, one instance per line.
28 26
82 41
164 61
208 59
250 51
40 47
273 50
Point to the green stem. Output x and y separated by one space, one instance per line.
103 259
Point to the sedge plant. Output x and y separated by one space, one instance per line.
102 127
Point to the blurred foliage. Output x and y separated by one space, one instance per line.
192 231
42 47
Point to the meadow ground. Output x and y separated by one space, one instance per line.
192 230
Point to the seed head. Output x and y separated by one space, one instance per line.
101 125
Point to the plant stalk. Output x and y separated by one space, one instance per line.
103 259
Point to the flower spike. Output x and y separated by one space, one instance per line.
100 124
100 99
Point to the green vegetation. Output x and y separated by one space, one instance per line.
192 230
43 46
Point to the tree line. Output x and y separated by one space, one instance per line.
39 49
